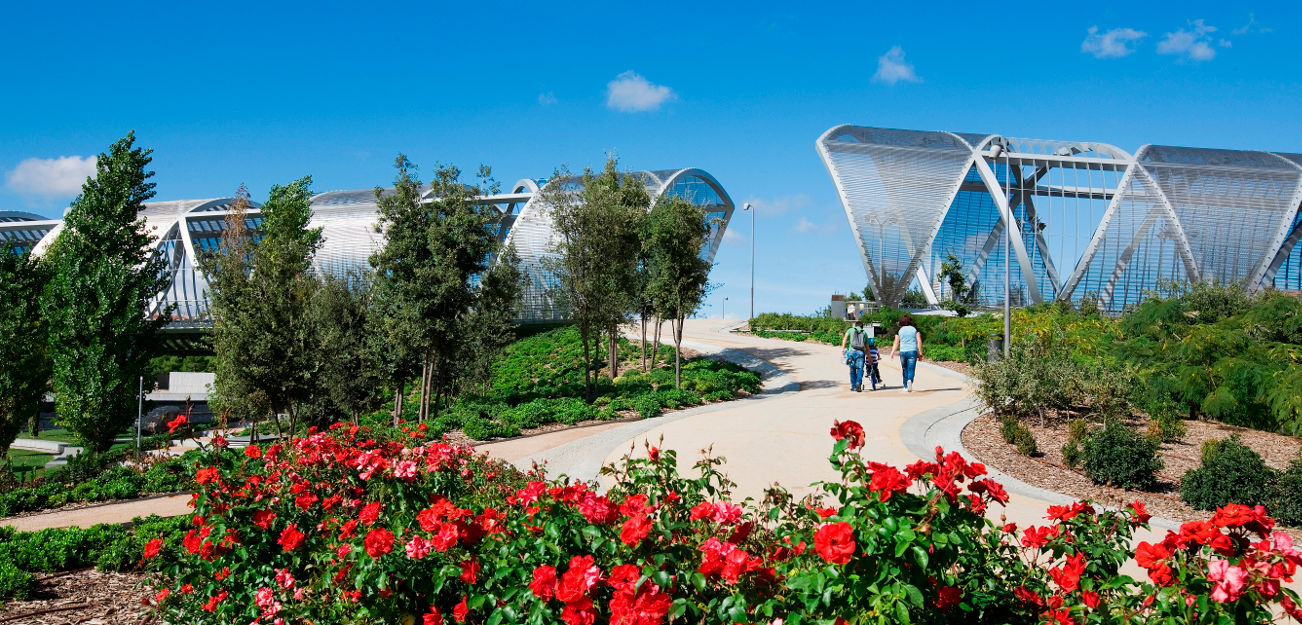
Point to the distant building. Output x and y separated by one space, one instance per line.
184 228
1087 219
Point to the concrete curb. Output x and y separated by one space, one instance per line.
582 459
943 427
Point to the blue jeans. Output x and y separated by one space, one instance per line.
873 374
856 369
908 360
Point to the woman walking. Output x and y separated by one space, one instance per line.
908 343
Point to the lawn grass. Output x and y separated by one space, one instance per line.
57 434
24 461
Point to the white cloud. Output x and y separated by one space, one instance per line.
1251 27
731 236
51 177
892 68
1191 45
1113 44
547 99
804 225
1225 43
777 205
629 92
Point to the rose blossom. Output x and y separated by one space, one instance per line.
418 548
835 542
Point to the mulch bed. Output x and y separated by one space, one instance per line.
86 596
1047 471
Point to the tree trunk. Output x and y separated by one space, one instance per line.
643 344
280 432
293 421
587 366
678 353
655 350
614 353
397 403
253 435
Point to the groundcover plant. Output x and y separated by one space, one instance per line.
344 527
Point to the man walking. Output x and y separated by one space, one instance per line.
857 339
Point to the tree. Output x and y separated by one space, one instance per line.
349 381
951 271
24 353
104 279
433 250
679 276
265 334
487 327
595 262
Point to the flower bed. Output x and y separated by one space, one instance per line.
342 526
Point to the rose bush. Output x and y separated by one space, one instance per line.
344 527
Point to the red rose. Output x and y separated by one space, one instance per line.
848 430
291 538
1141 515
153 547
887 480
175 423
379 541
1091 599
469 570
835 542
1068 577
579 612
460 611
948 597
206 475
635 529
1150 556
544 582
370 513
305 501
253 451
433 617
597 509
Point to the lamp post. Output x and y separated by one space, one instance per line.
747 207
725 308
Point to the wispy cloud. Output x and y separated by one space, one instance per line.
629 92
1192 45
892 68
777 205
833 223
51 177
804 225
731 236
1113 44
547 99
1251 27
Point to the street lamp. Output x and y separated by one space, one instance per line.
747 207
725 308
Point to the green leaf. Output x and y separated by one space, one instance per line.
901 612
915 595
698 580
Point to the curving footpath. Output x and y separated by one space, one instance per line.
782 436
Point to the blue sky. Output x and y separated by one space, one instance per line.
264 94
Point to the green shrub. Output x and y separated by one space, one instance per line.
951 353
15 583
1231 472
1286 504
647 405
1122 457
1166 423
1077 431
1008 426
1014 433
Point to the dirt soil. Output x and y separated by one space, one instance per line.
1046 470
86 597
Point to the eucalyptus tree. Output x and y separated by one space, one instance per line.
597 217
676 234
350 378
104 277
436 243
24 353
261 294
488 328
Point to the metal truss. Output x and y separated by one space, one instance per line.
1120 222
181 230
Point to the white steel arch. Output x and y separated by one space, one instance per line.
1113 223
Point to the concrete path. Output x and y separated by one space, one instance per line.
108 512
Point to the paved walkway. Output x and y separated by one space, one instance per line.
108 512
784 439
